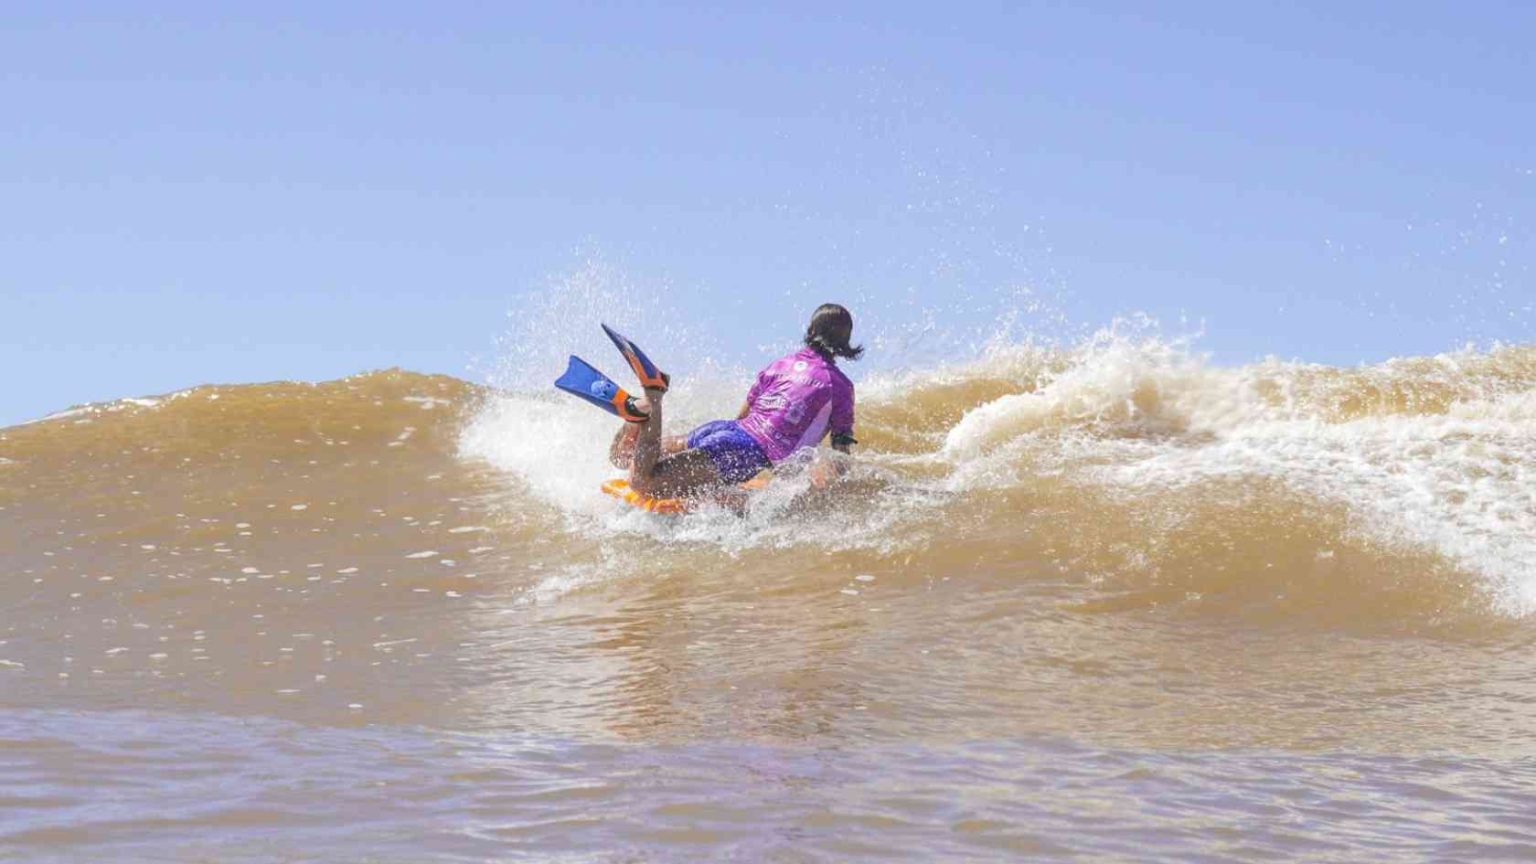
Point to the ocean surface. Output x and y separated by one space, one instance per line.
1100 602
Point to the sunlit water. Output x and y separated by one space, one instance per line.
1104 602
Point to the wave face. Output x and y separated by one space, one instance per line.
1111 544
1400 494
1395 496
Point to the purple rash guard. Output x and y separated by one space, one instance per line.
796 401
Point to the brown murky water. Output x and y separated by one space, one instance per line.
1132 609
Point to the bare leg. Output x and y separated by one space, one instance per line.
647 442
622 451
682 475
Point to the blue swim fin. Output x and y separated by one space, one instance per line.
645 370
584 382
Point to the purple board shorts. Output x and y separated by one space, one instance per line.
737 457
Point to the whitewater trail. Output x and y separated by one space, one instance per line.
1424 456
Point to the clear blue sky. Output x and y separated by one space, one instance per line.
192 195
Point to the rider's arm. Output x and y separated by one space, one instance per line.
827 471
841 432
746 408
842 423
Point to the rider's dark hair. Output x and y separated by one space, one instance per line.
830 330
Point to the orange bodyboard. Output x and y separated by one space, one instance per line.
619 488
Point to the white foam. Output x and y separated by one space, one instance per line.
1143 416
557 448
1111 386
82 411
1462 483
1126 408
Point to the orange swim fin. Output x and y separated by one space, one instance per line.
650 377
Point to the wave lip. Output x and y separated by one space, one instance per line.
1096 460
1433 455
